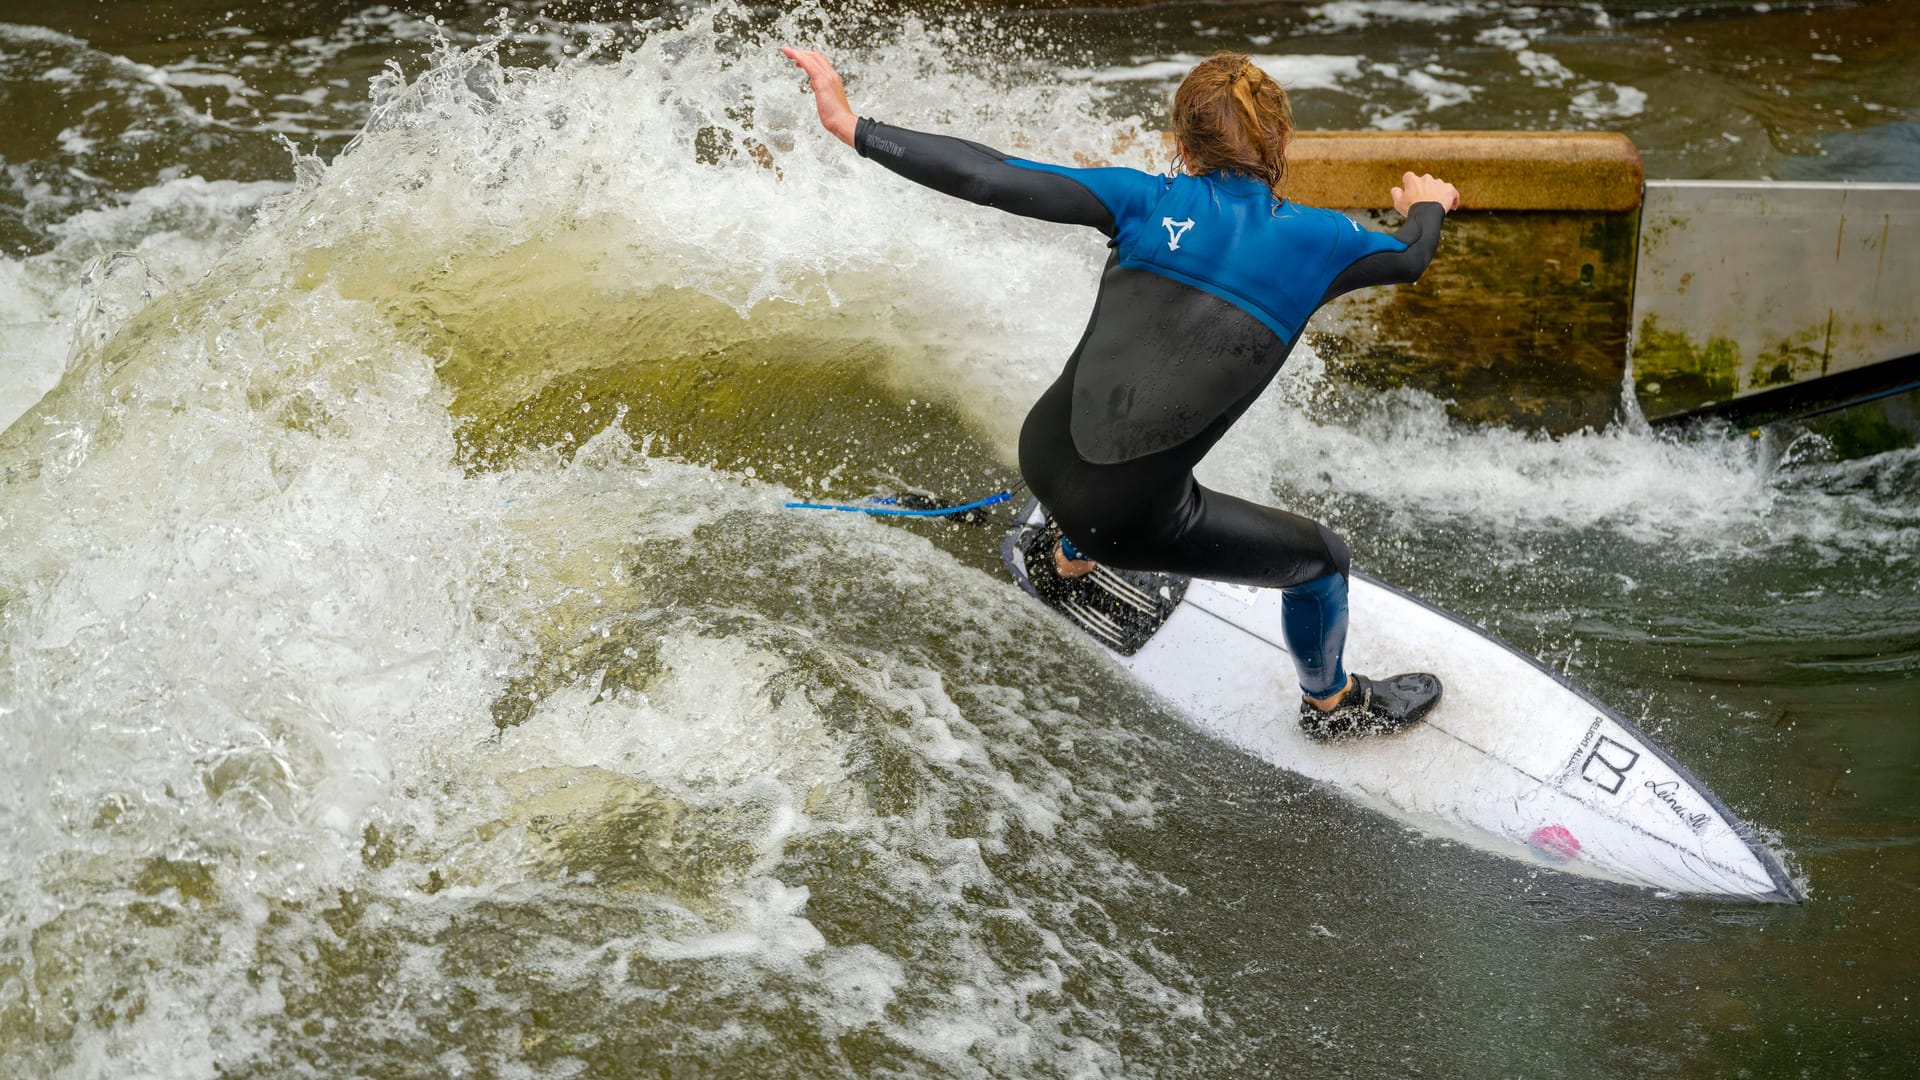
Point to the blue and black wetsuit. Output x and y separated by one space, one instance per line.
1210 280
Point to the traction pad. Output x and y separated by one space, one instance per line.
1122 609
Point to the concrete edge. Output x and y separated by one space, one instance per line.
1494 170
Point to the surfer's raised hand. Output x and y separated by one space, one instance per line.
829 94
1424 188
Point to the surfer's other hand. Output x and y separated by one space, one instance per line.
829 93
1424 188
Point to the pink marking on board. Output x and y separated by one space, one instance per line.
1555 842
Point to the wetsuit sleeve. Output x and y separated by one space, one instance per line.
1418 238
1102 198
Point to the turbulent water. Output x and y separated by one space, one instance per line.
407 667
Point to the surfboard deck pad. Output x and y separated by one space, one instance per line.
1121 609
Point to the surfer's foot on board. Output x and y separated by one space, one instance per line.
1370 707
1068 567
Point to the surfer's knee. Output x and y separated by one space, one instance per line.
1113 542
1338 556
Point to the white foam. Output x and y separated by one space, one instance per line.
309 608
193 73
1171 69
1295 71
19 32
1311 71
1726 498
1627 101
1546 70
1438 93
1591 101
707 725
1354 14
176 229
1506 37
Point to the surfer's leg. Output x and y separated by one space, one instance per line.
1308 562
1313 618
1150 514
1087 501
1206 534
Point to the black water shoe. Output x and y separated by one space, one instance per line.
1373 708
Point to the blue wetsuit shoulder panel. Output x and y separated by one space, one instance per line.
1128 194
1231 237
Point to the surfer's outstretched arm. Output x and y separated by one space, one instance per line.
1421 237
1425 201
970 171
981 174
829 93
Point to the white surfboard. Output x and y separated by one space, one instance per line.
1515 759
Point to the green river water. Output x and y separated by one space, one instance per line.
407 668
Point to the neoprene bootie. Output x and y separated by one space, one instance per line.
1373 708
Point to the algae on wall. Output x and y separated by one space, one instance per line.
1744 287
1520 319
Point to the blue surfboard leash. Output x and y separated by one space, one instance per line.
902 505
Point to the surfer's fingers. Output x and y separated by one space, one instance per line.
829 93
818 68
804 59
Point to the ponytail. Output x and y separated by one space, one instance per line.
1229 115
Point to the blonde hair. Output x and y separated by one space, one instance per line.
1228 114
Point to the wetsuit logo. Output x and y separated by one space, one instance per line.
1175 230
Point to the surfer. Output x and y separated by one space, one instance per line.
1212 276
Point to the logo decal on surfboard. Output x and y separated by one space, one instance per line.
1694 819
1606 768
1601 761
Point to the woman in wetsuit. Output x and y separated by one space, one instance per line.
1212 276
